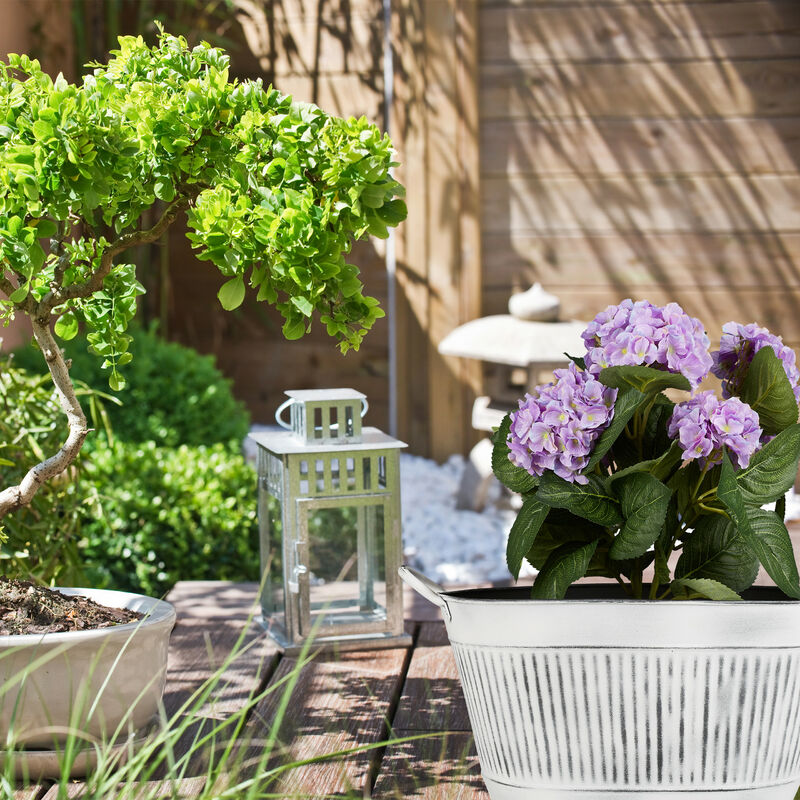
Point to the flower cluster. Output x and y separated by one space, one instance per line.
737 347
705 424
641 333
557 425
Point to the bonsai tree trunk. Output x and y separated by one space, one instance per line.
15 497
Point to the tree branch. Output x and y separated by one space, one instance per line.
15 497
94 282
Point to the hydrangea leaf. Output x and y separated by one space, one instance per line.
644 379
763 533
716 550
628 400
523 532
767 390
564 566
644 500
590 501
773 469
689 588
510 475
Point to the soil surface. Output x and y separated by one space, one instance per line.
28 608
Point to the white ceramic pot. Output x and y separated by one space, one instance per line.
93 682
607 698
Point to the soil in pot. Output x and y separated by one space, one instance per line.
28 608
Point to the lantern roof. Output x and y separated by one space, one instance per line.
286 443
320 395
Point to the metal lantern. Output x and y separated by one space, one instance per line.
329 518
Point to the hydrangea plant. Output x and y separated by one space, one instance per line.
274 191
616 476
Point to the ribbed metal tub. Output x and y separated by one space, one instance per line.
603 698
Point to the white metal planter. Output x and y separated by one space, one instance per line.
94 682
611 698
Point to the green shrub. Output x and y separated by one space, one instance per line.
167 514
40 542
173 396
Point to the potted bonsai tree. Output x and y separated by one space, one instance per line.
628 469
274 191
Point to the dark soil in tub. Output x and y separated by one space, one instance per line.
28 608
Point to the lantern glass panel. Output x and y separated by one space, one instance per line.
347 564
271 532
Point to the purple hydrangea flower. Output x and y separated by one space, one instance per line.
705 424
736 350
641 333
558 423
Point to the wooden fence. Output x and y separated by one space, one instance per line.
606 148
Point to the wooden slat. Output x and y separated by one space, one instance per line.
307 45
337 704
432 702
30 793
590 32
639 261
327 12
185 789
657 89
408 115
432 698
774 309
640 204
440 768
639 146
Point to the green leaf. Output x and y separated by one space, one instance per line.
116 381
773 469
644 500
591 501
231 293
45 228
294 328
66 326
643 379
19 294
713 590
579 361
164 190
523 532
763 533
558 529
303 305
564 566
628 400
510 475
716 550
767 390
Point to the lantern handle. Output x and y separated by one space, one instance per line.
429 589
286 403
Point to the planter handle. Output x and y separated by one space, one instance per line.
430 590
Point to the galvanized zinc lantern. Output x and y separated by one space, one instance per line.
329 517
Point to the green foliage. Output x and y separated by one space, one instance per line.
640 501
41 541
175 395
166 514
275 191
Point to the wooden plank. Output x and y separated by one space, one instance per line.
444 767
329 11
432 698
338 703
639 146
675 203
287 44
775 309
408 127
638 261
652 32
33 792
151 790
657 89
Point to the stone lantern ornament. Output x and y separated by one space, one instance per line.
329 519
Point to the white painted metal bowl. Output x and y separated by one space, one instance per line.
600 698
92 682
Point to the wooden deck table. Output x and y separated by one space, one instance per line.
339 702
